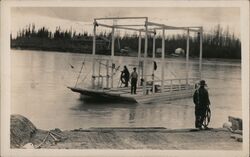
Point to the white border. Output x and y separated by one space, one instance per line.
5 78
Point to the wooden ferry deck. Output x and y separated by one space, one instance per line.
123 93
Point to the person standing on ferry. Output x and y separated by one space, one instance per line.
134 78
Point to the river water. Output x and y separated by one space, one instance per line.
39 91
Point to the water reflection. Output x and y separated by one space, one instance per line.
39 91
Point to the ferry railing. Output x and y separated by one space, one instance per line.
169 85
98 82
153 86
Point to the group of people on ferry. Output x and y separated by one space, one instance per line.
126 76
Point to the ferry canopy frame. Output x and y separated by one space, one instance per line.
149 28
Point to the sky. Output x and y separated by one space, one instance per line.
80 19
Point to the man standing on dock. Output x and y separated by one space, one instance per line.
134 77
202 102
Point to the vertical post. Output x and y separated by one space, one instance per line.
102 82
145 57
93 54
99 73
171 85
200 62
112 55
179 84
139 58
153 56
154 45
187 57
162 59
107 72
146 39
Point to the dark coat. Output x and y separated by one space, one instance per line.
125 74
201 98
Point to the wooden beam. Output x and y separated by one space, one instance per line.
161 26
129 25
125 28
120 18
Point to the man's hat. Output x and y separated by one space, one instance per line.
134 68
203 83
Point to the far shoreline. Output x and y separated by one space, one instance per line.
167 56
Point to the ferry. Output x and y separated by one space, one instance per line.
150 89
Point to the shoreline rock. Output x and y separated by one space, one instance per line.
21 130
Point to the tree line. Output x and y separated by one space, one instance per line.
217 43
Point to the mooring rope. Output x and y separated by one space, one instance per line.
79 73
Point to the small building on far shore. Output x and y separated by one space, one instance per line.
179 52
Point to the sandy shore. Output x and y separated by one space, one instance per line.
215 139
24 134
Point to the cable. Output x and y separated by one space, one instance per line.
79 74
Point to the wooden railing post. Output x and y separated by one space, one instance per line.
171 85
99 72
102 81
107 73
179 84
